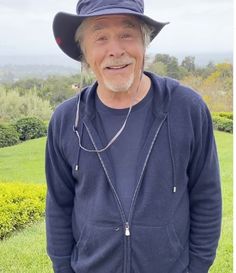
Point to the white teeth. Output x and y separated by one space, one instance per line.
117 67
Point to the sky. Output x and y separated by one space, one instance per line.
196 26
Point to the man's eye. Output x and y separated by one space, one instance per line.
126 36
101 38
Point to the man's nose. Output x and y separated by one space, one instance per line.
116 49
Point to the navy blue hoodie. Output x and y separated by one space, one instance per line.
174 221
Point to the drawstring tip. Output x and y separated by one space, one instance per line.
174 189
76 167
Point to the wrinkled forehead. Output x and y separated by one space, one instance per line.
103 22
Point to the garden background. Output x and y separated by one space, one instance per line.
26 105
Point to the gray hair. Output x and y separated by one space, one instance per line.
146 31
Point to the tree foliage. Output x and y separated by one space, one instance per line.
213 82
8 135
171 64
54 89
30 128
189 63
14 106
37 97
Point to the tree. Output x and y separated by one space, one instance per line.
171 64
14 106
158 68
189 63
215 84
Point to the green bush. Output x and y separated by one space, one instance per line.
20 204
15 106
222 124
8 135
228 115
30 128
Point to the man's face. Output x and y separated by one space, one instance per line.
114 49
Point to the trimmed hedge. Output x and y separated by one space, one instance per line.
222 124
30 128
20 204
228 115
8 135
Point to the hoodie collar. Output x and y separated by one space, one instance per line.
162 86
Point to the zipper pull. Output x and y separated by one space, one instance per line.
127 231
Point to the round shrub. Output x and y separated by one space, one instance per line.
8 135
30 128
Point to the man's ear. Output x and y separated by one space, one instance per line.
85 62
86 65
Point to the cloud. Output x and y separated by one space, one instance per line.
29 6
27 25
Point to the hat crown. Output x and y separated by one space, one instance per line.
65 25
86 7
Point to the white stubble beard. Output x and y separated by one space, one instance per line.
122 86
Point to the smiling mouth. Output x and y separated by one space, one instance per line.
118 67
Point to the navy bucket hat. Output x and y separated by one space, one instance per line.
65 24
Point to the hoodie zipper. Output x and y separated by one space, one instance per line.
122 213
127 230
126 222
141 175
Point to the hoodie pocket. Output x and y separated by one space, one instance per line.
99 250
155 249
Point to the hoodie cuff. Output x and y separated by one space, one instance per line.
62 264
65 269
197 265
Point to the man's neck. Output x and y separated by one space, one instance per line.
121 100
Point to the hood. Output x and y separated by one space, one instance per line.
163 86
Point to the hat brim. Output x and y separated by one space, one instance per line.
65 26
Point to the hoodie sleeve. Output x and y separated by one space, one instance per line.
205 196
59 204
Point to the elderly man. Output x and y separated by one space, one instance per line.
131 162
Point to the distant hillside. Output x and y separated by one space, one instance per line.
201 59
13 68
13 73
57 60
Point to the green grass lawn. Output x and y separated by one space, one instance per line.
23 162
24 252
224 260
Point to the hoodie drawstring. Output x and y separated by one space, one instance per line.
174 189
79 149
